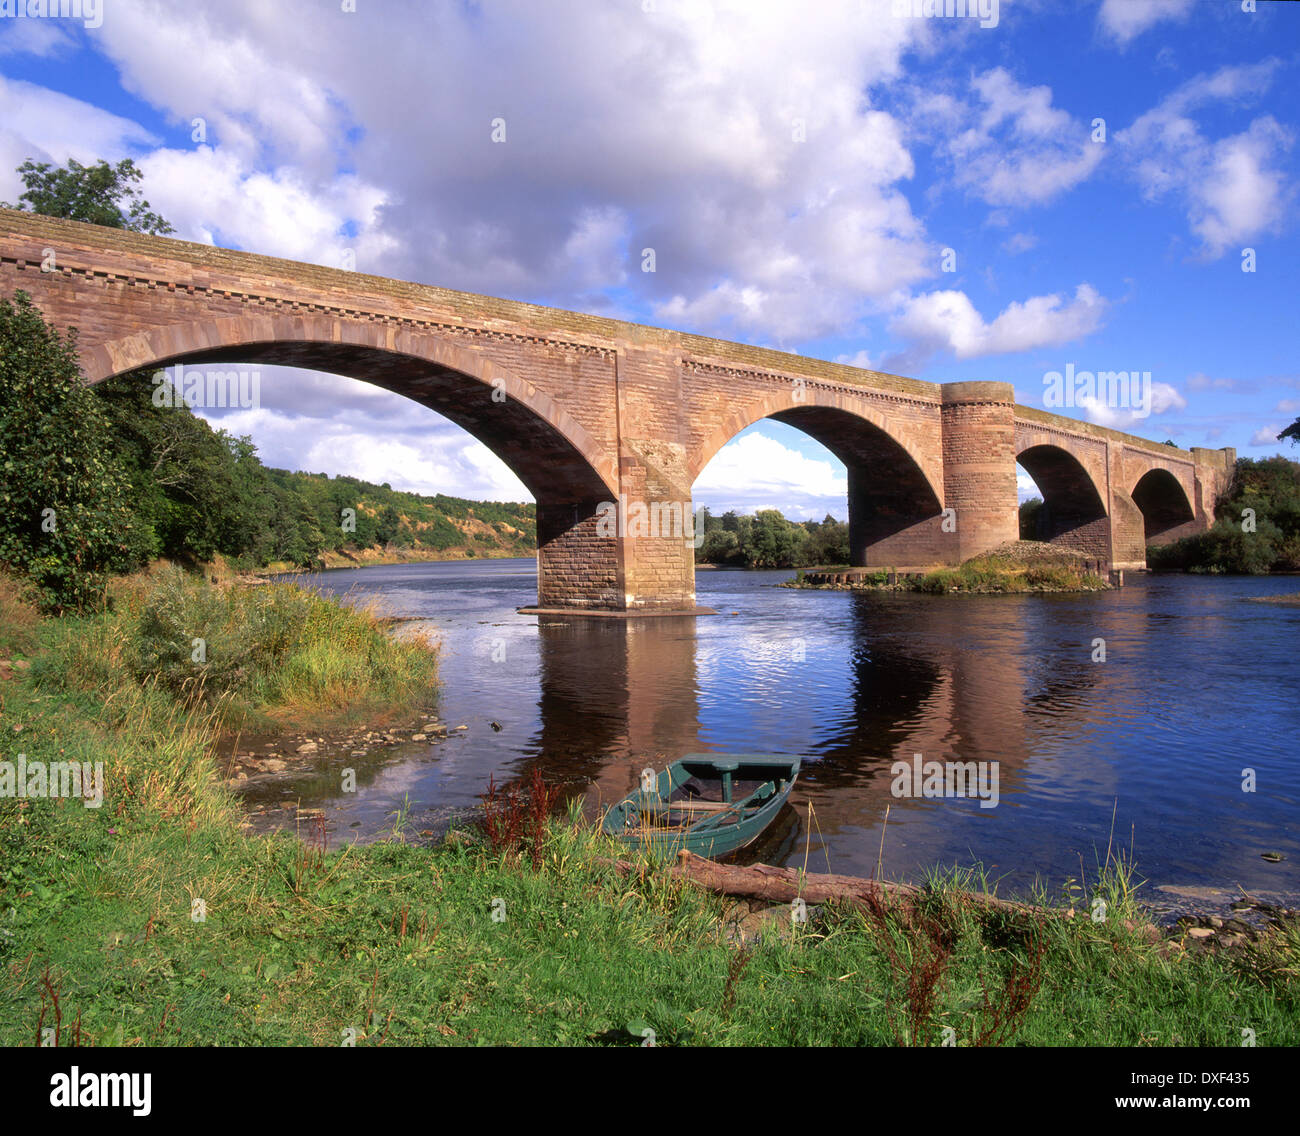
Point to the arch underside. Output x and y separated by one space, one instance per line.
554 470
1073 512
889 493
1164 505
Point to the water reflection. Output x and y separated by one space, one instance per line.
857 682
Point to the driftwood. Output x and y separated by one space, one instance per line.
781 885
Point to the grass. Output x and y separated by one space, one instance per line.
253 656
101 937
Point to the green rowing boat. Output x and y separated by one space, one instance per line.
709 804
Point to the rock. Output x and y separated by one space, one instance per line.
1243 905
1214 921
274 765
1272 857
419 737
459 728
359 753
308 747
496 726
1199 933
1236 925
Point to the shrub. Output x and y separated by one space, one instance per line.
64 515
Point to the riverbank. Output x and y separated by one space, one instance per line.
153 920
1015 567
380 557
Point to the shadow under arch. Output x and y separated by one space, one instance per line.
1163 502
1074 511
890 491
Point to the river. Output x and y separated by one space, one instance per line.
1146 750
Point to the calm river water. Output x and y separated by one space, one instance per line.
1198 685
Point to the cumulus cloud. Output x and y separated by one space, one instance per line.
1232 189
325 423
757 471
1164 398
1267 435
949 321
1009 146
738 141
48 126
1124 20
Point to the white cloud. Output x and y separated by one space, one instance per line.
208 193
1016 149
1020 242
47 126
1266 436
754 471
857 359
324 423
1123 20
1232 189
948 321
674 129
42 38
1164 398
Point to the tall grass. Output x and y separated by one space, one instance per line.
247 655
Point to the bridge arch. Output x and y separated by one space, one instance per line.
1164 504
548 449
1074 504
894 496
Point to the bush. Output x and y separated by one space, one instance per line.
65 519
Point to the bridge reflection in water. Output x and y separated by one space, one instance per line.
856 682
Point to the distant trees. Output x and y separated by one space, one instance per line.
1030 510
769 540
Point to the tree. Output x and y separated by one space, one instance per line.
65 516
1292 432
100 194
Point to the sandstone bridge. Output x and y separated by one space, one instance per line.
590 411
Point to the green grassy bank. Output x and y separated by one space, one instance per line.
395 944
1020 566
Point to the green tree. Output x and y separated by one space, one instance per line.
65 516
1030 512
100 194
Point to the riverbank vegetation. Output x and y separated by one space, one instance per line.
1018 566
1256 528
153 920
103 480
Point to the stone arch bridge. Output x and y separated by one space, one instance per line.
599 417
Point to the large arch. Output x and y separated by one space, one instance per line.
1074 505
1164 505
894 504
549 450
567 471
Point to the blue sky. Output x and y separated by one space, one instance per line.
805 174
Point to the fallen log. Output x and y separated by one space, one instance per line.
782 885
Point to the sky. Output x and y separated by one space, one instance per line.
1103 185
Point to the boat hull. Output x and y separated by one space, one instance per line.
707 804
